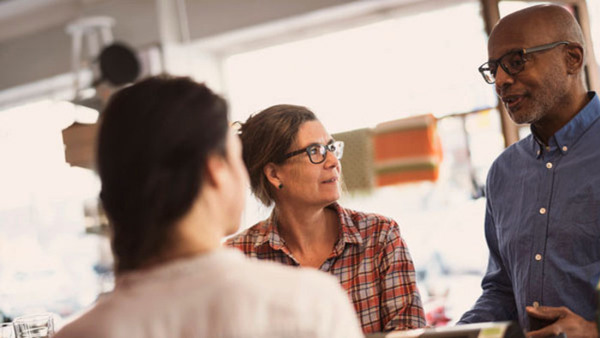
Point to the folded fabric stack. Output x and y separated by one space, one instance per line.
407 150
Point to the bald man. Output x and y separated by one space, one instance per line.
542 221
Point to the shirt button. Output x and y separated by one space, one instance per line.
536 304
538 257
542 211
549 165
565 148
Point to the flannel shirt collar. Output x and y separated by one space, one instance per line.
270 234
348 230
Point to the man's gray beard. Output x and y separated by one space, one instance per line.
548 98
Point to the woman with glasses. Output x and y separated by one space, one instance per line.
294 164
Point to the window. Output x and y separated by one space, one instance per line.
44 251
409 65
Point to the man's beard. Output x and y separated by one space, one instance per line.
546 99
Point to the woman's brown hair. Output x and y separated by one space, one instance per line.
266 137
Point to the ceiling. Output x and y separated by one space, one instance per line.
35 46
23 17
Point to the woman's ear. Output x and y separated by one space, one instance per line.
271 171
575 58
214 170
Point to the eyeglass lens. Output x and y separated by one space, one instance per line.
511 63
318 152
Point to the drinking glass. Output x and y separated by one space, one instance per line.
39 325
6 330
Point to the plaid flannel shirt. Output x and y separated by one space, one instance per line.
370 259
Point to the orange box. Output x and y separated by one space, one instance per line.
407 150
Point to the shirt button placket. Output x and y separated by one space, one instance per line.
538 253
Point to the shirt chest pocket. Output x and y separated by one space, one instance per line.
582 212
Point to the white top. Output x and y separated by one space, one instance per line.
221 294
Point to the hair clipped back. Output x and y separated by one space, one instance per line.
153 143
266 137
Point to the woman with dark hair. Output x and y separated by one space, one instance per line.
294 163
173 185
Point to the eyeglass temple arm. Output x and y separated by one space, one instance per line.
544 47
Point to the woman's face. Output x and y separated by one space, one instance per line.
304 182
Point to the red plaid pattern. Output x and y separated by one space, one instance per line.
370 259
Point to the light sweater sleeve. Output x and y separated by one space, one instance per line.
339 318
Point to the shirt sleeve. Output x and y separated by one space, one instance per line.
497 301
401 306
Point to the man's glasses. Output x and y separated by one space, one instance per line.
317 153
513 62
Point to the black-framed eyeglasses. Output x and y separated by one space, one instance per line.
513 62
317 153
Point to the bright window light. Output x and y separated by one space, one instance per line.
43 249
359 77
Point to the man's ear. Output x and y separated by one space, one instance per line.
575 58
271 171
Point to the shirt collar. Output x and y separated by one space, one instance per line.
570 133
348 230
270 233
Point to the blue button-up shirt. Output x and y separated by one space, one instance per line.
542 224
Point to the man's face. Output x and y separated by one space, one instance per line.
537 91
